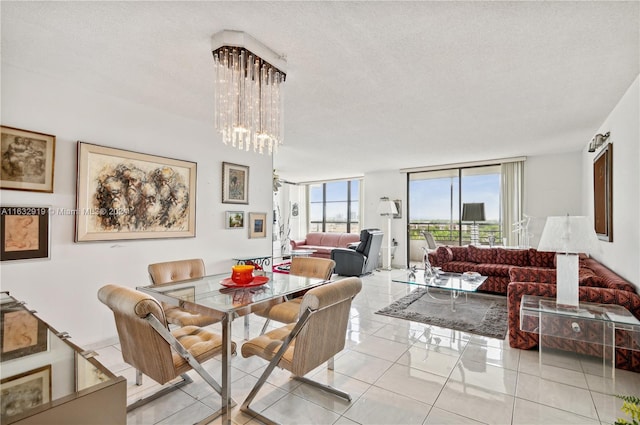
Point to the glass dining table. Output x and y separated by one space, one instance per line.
216 296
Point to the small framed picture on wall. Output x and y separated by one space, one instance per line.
235 183
257 225
24 232
234 219
27 160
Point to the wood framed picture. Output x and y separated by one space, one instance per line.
234 219
24 232
603 193
235 183
130 195
25 391
27 160
257 225
21 333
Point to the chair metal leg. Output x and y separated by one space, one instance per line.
195 365
264 327
138 377
331 364
327 388
272 364
186 379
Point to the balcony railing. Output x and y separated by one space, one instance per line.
449 233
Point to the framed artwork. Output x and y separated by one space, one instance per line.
603 193
25 391
22 333
24 232
257 225
234 219
235 183
130 195
27 160
88 374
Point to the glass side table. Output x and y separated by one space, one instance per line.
588 322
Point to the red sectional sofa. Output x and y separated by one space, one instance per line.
324 242
492 262
515 273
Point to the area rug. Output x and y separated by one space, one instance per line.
282 267
481 314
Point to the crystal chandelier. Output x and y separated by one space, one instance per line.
248 93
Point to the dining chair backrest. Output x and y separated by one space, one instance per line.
174 271
323 335
142 347
321 268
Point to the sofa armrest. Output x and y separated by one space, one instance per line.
532 274
295 244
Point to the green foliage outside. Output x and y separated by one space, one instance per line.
447 233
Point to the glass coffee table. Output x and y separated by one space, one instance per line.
456 283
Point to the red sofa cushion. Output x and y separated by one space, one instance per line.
481 255
541 258
459 253
514 257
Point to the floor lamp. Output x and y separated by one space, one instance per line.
473 212
387 208
567 236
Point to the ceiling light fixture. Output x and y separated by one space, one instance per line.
597 141
248 92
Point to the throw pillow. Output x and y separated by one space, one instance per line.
481 255
514 257
459 253
443 255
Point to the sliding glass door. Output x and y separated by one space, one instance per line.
435 204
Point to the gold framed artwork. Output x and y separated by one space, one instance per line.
235 183
129 195
25 391
234 219
257 225
603 193
28 159
24 232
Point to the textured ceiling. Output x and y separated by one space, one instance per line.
370 85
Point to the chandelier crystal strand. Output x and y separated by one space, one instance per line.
248 97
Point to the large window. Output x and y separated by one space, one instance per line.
335 206
436 199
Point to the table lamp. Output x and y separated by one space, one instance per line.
473 212
387 208
567 236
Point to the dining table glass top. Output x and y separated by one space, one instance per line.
209 292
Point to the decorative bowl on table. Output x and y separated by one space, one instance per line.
242 274
470 275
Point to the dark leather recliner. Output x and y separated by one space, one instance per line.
360 259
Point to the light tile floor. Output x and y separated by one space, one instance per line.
401 372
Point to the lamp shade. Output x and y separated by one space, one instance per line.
387 207
568 234
473 212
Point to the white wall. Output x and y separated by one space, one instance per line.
63 289
391 184
623 123
552 186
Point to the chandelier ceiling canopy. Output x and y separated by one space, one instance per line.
248 91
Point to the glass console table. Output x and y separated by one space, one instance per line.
588 322
46 379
